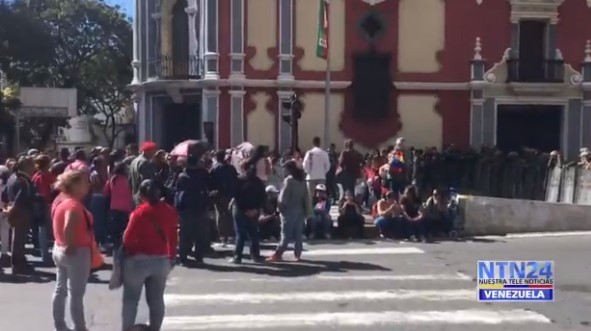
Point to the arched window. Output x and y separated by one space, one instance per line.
180 39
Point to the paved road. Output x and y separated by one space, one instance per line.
342 286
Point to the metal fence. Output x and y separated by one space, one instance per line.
485 175
570 184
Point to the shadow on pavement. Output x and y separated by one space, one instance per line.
39 277
303 268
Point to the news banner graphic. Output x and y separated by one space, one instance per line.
531 281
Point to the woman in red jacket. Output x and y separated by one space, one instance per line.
150 244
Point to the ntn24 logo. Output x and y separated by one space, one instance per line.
515 269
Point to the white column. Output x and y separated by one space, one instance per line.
191 11
135 63
285 41
237 117
209 15
237 40
210 112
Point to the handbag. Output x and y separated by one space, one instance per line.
96 257
116 280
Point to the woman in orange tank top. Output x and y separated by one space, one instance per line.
72 230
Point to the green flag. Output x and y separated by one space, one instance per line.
322 40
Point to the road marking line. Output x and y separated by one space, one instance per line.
267 321
324 296
549 234
536 235
458 276
364 251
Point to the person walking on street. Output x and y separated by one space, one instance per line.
73 233
294 207
223 180
192 201
149 243
249 200
316 164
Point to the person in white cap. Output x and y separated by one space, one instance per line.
269 223
320 225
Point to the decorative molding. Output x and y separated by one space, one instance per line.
535 9
491 75
237 93
175 94
477 50
373 2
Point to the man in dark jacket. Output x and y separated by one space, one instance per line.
191 199
21 197
142 168
223 181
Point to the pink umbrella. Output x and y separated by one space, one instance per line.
190 147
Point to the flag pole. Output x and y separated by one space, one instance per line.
327 101
327 86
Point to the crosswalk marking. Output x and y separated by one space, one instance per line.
319 296
373 277
420 292
265 321
365 251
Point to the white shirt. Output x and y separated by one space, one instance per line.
316 164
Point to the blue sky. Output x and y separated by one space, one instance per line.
126 5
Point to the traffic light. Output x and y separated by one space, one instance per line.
294 107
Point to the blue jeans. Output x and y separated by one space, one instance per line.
117 225
390 227
320 224
144 271
98 209
246 227
292 229
44 242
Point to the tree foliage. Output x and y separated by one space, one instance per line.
82 44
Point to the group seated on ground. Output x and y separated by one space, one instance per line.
409 218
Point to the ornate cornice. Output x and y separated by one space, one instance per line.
536 9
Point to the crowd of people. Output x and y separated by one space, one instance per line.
153 210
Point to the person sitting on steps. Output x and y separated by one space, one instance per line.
388 219
351 221
320 224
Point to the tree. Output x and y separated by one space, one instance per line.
108 97
25 44
91 46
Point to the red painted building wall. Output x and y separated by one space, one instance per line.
465 20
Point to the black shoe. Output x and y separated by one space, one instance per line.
235 260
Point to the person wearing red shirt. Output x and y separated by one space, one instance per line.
150 246
43 181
